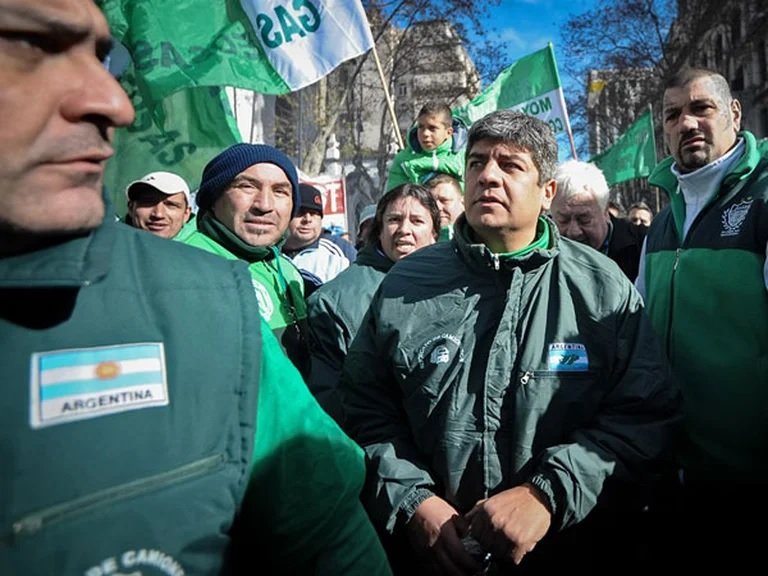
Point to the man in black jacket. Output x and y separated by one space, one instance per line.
580 211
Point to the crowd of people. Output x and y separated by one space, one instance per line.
500 377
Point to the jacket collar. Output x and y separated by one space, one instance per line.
480 256
371 255
663 177
78 261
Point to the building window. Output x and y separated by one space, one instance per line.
402 89
719 50
737 83
735 26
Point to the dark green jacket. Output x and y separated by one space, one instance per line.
706 295
473 374
130 439
336 311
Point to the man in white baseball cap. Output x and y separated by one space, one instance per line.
159 203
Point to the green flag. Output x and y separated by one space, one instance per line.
530 85
268 46
633 155
197 124
183 53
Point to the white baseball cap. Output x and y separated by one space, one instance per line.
166 182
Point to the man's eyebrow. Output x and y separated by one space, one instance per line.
28 15
65 32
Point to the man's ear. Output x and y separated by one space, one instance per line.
549 191
736 114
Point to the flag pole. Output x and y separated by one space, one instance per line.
561 98
390 106
655 157
568 126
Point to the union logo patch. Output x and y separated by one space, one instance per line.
733 218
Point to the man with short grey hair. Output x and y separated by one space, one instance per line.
149 423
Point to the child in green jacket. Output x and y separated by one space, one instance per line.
435 144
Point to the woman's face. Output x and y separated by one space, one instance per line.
406 226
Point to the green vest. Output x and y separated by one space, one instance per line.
108 459
707 299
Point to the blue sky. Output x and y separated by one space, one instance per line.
525 26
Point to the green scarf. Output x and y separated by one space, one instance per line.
215 230
540 242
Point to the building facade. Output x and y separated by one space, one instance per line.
731 37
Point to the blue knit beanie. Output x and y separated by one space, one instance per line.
221 170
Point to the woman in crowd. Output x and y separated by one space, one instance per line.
407 218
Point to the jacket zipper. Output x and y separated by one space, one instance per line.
668 343
37 521
495 261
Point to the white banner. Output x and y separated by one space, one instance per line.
306 39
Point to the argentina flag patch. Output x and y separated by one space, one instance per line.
76 384
567 357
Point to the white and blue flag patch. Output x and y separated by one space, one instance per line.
69 385
567 357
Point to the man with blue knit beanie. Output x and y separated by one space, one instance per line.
247 197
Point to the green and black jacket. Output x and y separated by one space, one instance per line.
336 311
706 296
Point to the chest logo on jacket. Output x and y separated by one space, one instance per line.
733 218
80 383
437 350
140 563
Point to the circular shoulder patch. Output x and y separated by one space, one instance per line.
266 306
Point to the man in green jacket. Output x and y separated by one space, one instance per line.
144 427
705 280
159 203
506 386
247 197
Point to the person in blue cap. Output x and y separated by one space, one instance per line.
247 197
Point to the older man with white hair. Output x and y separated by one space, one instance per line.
580 210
